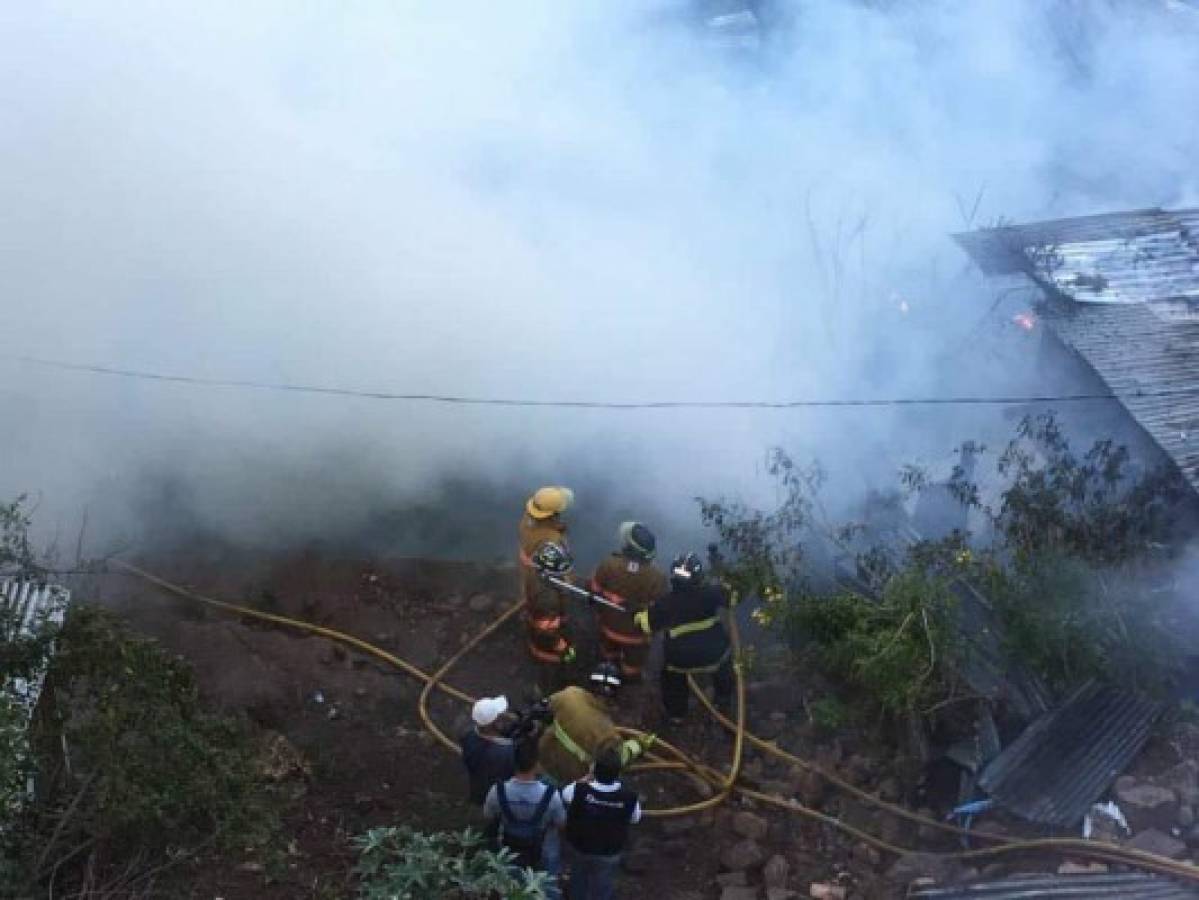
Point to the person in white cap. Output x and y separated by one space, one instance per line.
489 757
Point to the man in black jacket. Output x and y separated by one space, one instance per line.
696 641
489 757
599 811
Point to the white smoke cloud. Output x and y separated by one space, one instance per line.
541 199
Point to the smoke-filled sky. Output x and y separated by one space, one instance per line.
585 200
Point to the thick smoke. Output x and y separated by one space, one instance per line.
587 200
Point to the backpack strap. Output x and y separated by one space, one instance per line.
505 807
578 797
544 804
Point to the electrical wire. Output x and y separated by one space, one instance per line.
463 400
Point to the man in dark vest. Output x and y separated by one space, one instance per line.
599 811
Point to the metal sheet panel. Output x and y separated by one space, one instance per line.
1066 759
24 606
1115 886
1132 257
1151 363
1130 286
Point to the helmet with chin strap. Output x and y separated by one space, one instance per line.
686 570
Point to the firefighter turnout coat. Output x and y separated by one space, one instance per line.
634 584
546 611
580 729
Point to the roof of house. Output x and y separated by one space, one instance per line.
1127 286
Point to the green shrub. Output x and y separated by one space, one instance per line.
147 776
828 714
897 650
402 864
1065 578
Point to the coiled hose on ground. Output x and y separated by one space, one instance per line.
723 784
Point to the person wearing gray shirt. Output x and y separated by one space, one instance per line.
530 814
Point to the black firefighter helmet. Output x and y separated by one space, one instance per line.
552 558
687 570
605 678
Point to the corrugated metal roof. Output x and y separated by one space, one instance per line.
1139 353
1116 886
1133 279
1139 255
1066 759
24 606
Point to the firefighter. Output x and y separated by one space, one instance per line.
582 729
542 525
696 640
628 578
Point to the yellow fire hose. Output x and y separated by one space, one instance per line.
724 784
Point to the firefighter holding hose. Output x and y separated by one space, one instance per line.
543 547
630 580
581 730
696 640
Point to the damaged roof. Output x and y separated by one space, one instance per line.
1115 886
1125 288
1066 759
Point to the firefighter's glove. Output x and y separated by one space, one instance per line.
641 620
629 751
647 741
569 655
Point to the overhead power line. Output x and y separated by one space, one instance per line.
452 399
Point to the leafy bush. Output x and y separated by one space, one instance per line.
147 775
1070 622
828 714
402 864
16 551
763 547
1065 577
1094 507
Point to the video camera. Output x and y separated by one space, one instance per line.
529 723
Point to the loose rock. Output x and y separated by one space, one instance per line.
1146 805
746 854
1073 868
1183 779
866 854
775 872
677 826
481 603
811 789
888 789
749 825
1154 841
822 890
911 866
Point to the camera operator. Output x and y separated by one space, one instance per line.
489 755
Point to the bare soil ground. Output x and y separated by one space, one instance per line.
355 719
371 762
